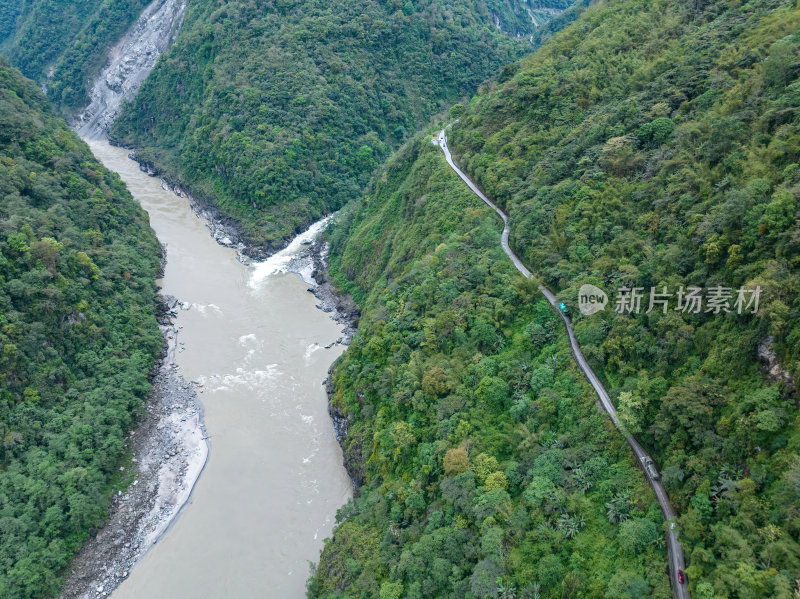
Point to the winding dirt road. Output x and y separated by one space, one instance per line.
675 550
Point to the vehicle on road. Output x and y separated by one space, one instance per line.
681 576
650 468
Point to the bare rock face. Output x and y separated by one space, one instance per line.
523 17
772 367
129 62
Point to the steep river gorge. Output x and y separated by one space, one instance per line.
253 342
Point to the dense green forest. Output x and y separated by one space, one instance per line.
650 145
63 44
484 467
636 156
78 337
628 155
279 111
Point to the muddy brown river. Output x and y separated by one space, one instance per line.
253 340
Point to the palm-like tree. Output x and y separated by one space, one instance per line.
531 592
615 516
726 483
618 509
506 592
581 479
571 525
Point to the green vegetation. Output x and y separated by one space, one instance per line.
641 156
626 155
651 144
279 111
485 469
78 337
71 38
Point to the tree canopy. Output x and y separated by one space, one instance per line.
484 468
78 337
627 155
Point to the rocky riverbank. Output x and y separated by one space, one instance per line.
223 229
312 265
169 451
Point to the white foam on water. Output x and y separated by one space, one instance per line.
306 273
279 262
251 379
245 339
310 350
205 308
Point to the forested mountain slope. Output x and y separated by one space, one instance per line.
78 337
634 156
628 155
63 44
483 463
279 111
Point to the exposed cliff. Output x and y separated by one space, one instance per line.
129 63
